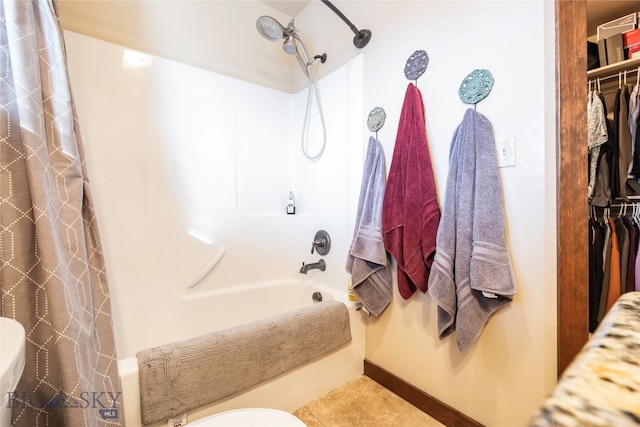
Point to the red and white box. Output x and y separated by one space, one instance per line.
631 38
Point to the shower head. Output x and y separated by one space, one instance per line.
289 45
293 46
270 29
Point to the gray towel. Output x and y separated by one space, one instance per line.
471 276
367 260
181 376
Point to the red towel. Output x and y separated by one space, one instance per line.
410 210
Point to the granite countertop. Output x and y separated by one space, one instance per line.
601 387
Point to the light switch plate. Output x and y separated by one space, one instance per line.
506 149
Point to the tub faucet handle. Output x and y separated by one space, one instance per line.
318 243
321 243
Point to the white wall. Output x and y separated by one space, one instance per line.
505 375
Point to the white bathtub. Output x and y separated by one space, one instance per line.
207 313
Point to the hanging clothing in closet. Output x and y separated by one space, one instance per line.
614 264
630 283
614 144
622 138
596 269
634 122
619 254
597 135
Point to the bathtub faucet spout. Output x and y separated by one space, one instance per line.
320 265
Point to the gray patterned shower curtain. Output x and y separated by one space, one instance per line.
52 272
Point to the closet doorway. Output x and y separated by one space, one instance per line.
575 20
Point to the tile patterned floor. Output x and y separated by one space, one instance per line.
363 403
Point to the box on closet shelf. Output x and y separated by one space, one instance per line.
617 39
631 38
593 56
615 48
618 26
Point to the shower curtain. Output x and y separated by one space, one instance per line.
52 272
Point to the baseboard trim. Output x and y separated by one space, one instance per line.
418 398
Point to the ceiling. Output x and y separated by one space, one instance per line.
290 7
598 11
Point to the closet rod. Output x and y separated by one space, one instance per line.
612 211
621 205
616 75
618 203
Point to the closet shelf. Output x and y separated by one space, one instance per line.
607 70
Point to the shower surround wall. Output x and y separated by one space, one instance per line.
189 167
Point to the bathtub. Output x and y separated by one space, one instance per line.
207 312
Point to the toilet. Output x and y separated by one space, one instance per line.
12 360
249 417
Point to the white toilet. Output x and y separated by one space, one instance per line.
12 359
249 417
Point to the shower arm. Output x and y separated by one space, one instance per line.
362 36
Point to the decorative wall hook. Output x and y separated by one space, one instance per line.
416 65
476 86
376 119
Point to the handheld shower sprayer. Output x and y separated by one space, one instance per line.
272 30
290 47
